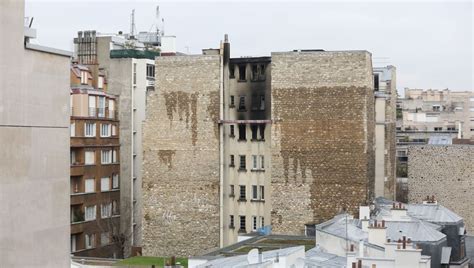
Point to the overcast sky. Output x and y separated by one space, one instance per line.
430 43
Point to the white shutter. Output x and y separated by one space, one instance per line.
90 187
90 157
115 181
105 184
73 129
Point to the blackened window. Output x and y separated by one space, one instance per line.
242 223
255 102
232 101
242 194
262 131
232 132
254 73
242 103
232 190
242 132
242 162
231 224
262 102
254 129
242 75
254 192
376 82
232 71
231 160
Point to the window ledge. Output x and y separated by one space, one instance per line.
231 136
257 200
242 80
231 227
242 170
242 200
241 110
242 231
257 140
257 170
232 106
231 165
111 190
232 195
242 140
83 193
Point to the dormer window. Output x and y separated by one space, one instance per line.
84 77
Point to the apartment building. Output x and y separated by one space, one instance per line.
130 68
34 140
95 166
234 145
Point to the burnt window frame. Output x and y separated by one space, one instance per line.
242 75
232 71
232 131
261 130
242 103
242 193
232 191
254 128
242 163
231 222
242 132
232 101
232 161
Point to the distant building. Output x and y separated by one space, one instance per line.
130 68
446 172
95 166
233 145
431 234
34 143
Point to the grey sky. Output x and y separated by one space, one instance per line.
430 43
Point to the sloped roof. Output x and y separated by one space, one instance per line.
316 257
418 231
433 213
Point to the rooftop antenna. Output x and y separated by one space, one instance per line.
132 24
163 27
157 23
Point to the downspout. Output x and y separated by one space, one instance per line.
221 147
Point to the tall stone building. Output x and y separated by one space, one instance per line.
34 141
233 145
322 136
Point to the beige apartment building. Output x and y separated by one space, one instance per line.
34 140
235 145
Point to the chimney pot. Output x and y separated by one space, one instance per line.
359 263
352 247
383 223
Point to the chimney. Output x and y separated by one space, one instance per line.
364 212
377 233
361 248
398 211
364 224
260 257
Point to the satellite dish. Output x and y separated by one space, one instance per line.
252 256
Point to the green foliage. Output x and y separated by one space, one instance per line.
146 260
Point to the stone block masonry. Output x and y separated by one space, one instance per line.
181 158
447 172
322 136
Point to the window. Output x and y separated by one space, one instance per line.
262 102
242 103
90 213
262 132
254 162
105 130
242 195
73 243
114 156
105 238
106 210
438 129
92 109
105 184
231 191
150 71
376 82
111 108
231 71
106 157
242 165
262 221
84 77
254 223
232 161
242 75
262 192
114 130
436 108
101 110
254 129
451 128
89 130
100 82
89 239
262 162
242 223
115 208
254 192
73 129
242 132
232 101
232 132
231 221
89 158
134 73
115 181
73 157
90 185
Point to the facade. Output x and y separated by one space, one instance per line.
95 166
34 139
446 172
224 145
385 92
130 68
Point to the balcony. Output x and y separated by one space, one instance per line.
95 113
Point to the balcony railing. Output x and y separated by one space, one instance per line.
97 113
92 112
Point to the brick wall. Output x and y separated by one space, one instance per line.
181 158
322 136
447 172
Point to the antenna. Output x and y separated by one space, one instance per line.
163 27
132 23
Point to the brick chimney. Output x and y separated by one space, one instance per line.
398 211
377 233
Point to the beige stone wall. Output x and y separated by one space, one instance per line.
390 136
322 136
181 158
447 172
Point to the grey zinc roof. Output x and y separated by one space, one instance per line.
315 257
440 140
433 213
418 231
337 226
